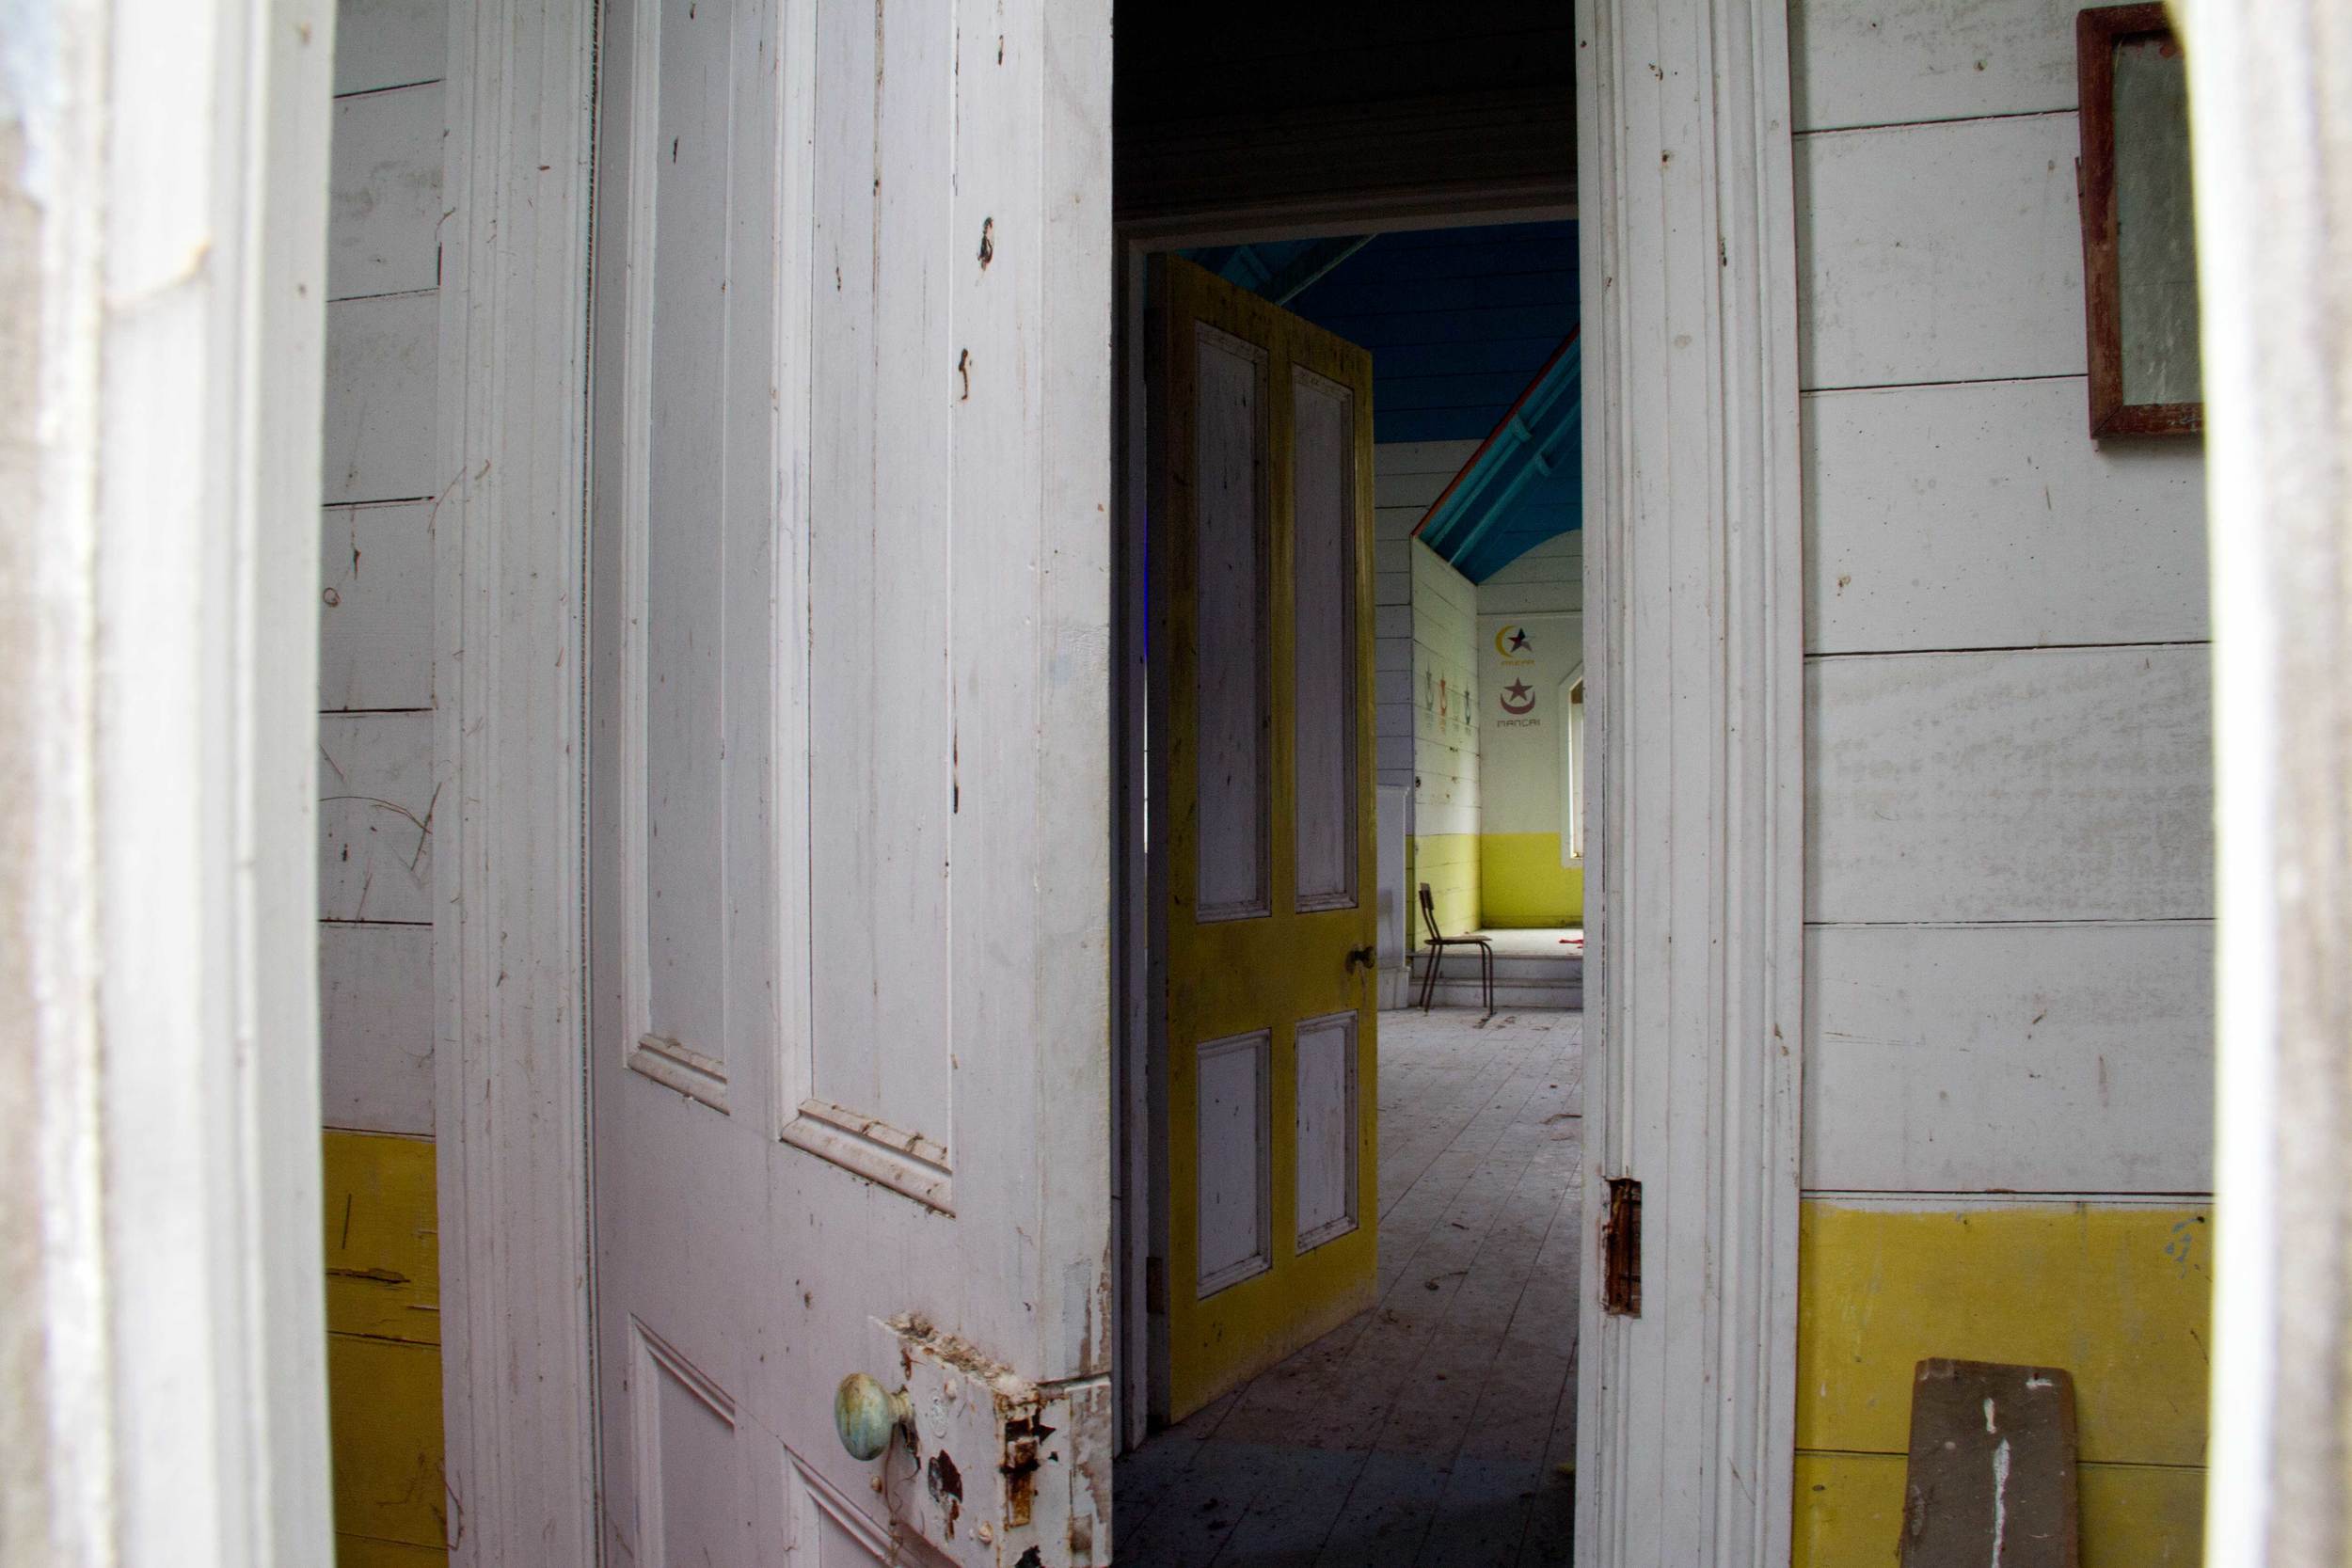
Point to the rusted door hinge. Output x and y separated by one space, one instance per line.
1621 1249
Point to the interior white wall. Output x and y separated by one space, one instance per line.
1425 671
1547 580
1408 478
1520 757
2009 834
378 784
1445 681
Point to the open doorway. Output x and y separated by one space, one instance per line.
1394 1377
929 1182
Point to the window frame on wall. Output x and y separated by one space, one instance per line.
1572 747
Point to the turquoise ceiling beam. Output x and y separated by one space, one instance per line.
1524 483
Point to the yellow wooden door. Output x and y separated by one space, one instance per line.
1262 629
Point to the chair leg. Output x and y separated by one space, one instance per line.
1429 977
1487 976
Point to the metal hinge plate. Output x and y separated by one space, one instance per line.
1621 1249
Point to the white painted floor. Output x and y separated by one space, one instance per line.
1434 1428
1535 942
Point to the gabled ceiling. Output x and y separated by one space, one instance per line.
1525 484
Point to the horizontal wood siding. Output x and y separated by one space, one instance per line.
2062 783
377 796
2050 1058
1446 813
383 1349
383 365
2007 710
375 618
1934 253
1850 1505
1908 61
386 198
2122 1300
1408 476
375 1026
2008 835
378 782
389 44
1548 578
1976 515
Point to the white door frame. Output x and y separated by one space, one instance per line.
1693 615
511 1102
2267 100
1693 619
162 1283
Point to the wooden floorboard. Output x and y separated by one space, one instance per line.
1438 1429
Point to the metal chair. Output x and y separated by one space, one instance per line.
1439 942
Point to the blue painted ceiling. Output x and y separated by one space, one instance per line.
1461 324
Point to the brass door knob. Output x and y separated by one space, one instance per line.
864 1414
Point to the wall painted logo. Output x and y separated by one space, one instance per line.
1518 697
1511 641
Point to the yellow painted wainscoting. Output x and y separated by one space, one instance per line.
1449 863
1521 881
383 1351
2118 1293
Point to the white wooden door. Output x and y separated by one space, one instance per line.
850 799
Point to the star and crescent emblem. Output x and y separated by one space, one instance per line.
1518 697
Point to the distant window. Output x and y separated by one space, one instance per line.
1572 768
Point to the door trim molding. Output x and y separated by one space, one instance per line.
167 196
2268 102
511 1107
1694 618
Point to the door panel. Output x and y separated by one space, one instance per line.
849 784
1233 774
1261 565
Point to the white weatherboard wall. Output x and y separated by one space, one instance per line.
2009 835
376 776
1426 656
1547 580
2006 629
1408 478
1522 659
1530 639
1445 741
380 786
1445 678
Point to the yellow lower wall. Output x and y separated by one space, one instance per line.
1449 862
2118 1294
383 1351
1521 881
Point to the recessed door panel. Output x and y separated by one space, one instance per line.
884 533
1328 1123
1235 750
691 533
1323 614
1236 1152
689 1510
